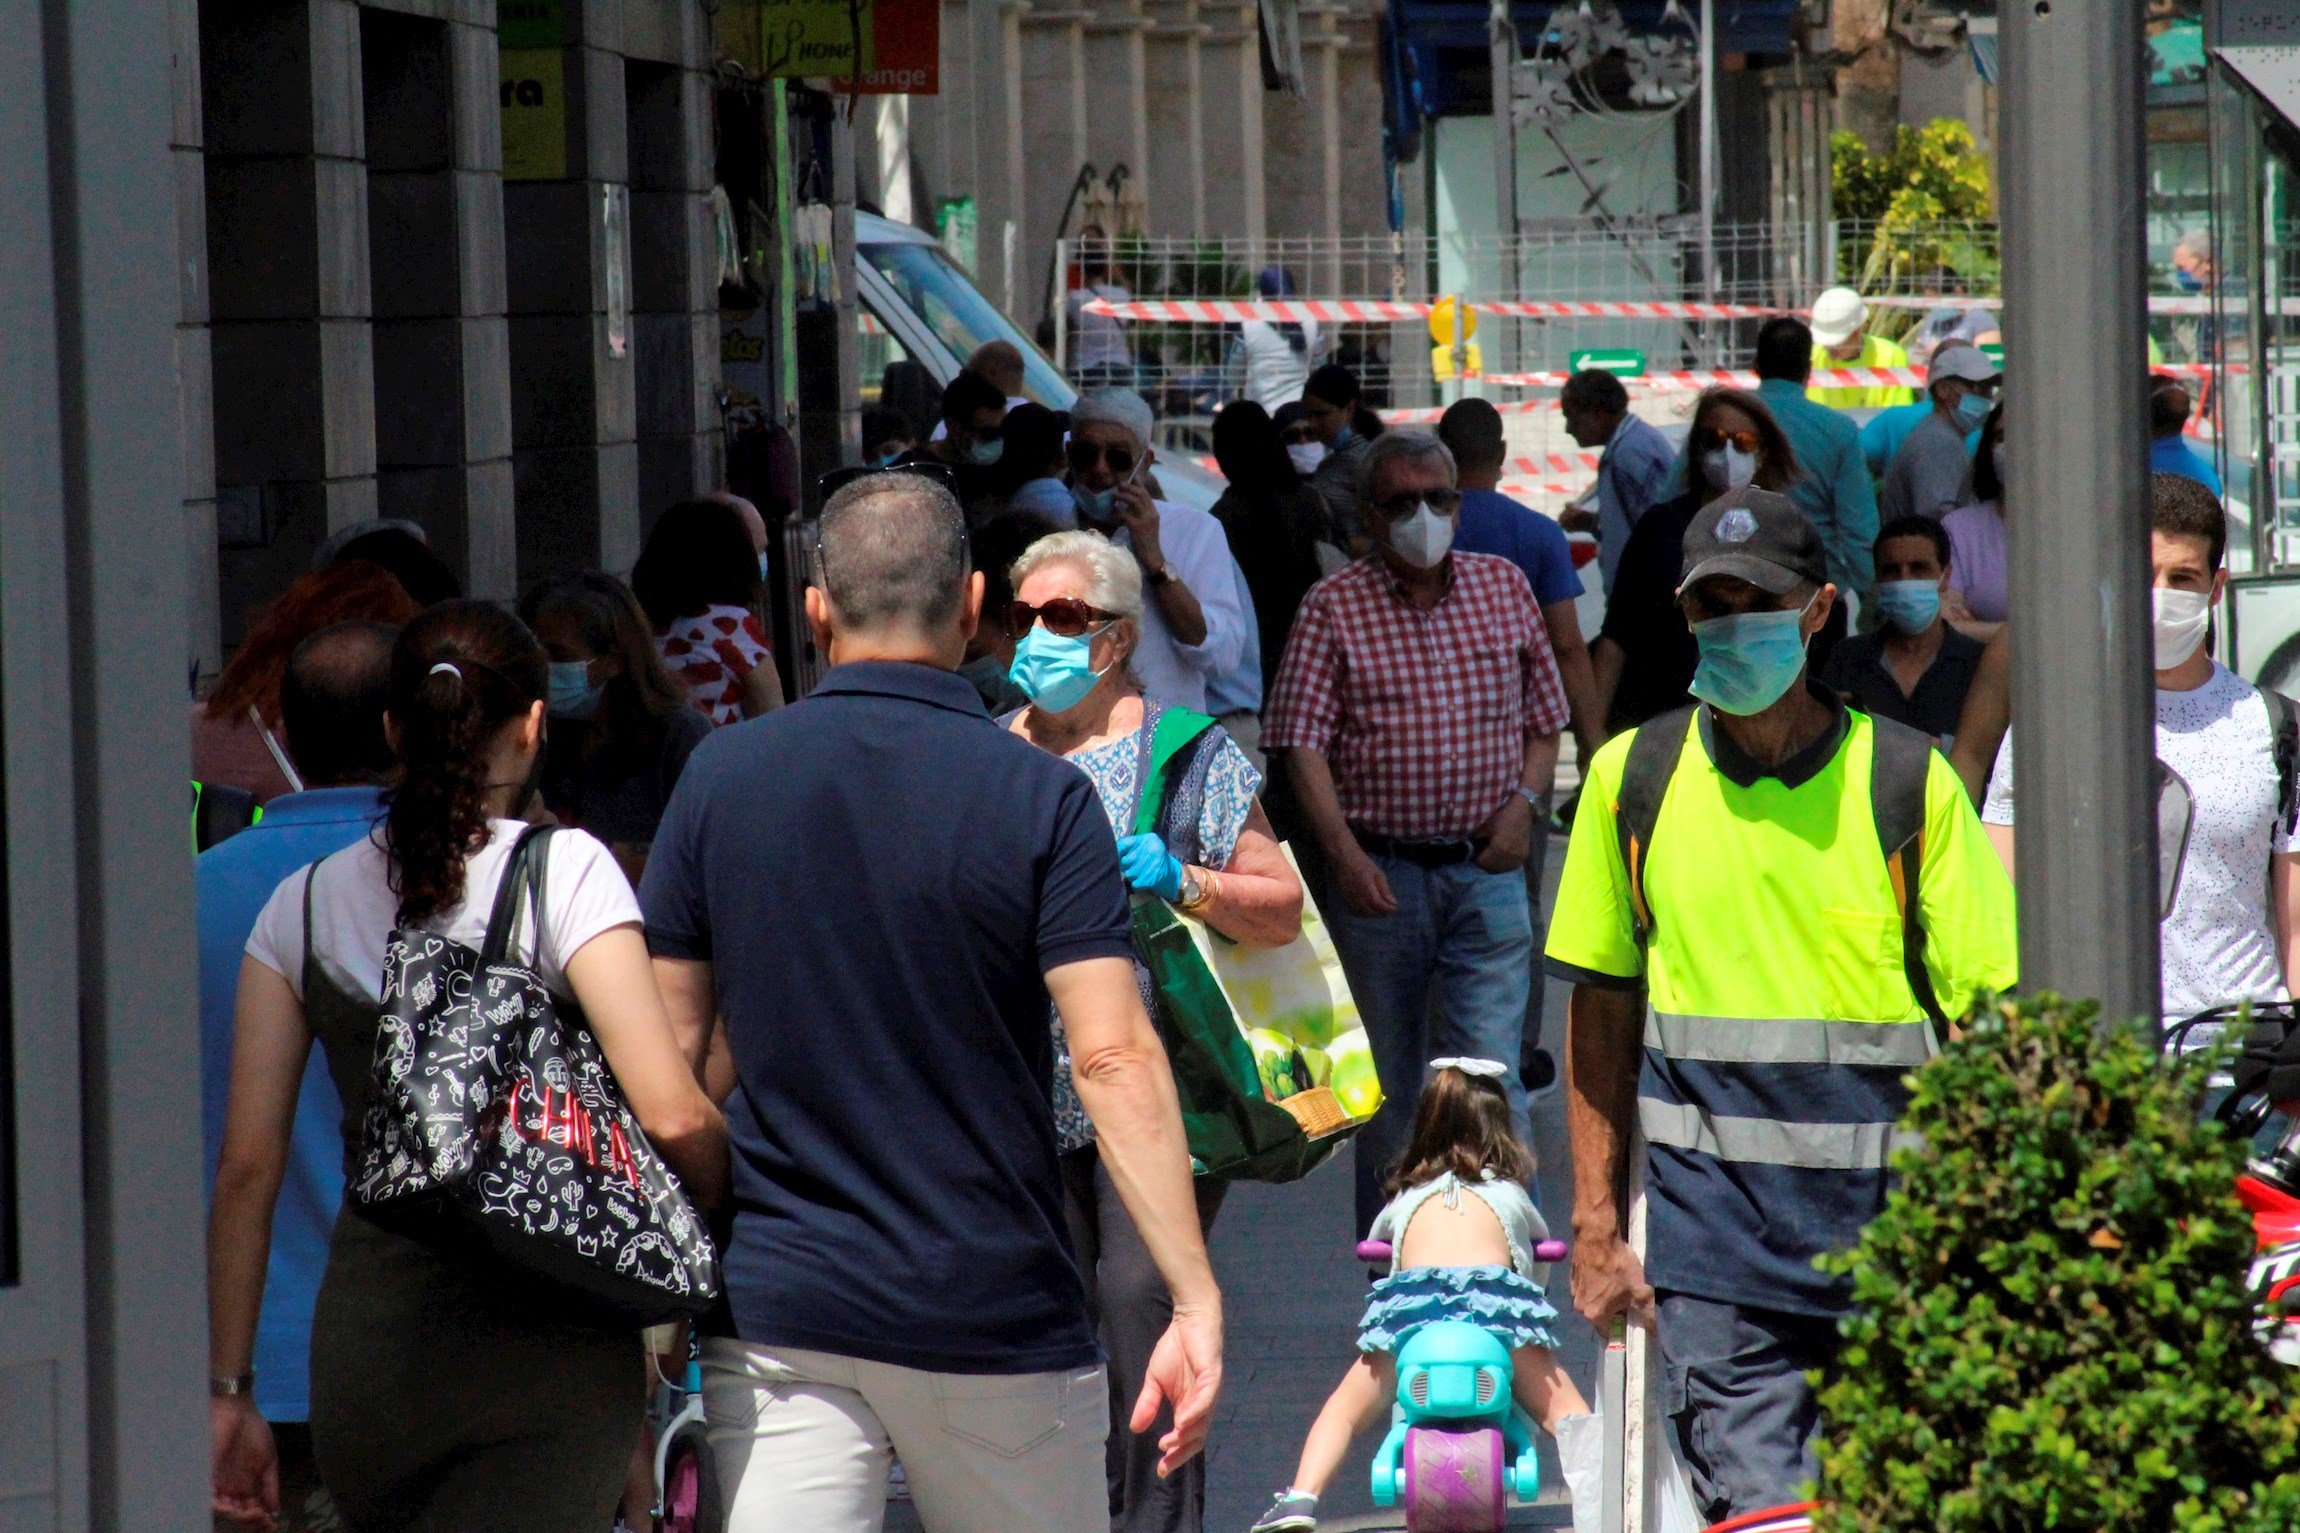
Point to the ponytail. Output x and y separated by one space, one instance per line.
461 671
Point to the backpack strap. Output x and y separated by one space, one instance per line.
1900 764
1653 753
2284 730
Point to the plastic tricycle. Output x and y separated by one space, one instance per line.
1458 1447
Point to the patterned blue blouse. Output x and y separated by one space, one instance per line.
1115 769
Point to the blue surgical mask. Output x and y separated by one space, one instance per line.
1749 659
572 695
1097 506
763 564
1909 605
1055 673
1342 439
984 454
1972 410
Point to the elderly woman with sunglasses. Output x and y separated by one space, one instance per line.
1645 654
1077 614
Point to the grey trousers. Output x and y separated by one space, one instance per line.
1734 1385
1131 1311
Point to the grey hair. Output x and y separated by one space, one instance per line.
891 553
1117 407
1407 444
1113 578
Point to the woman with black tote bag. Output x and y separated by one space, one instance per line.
451 1390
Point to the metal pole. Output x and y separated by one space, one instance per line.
1709 165
2083 702
843 262
1501 36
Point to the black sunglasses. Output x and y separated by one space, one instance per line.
1083 456
1065 616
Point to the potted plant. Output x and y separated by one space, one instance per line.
2051 1326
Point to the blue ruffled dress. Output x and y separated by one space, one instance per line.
1506 1301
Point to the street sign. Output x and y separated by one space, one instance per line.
1620 362
1994 353
901 43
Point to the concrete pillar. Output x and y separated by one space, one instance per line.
1173 58
1054 139
1303 167
1363 194
435 219
1236 127
1117 108
575 459
195 375
288 290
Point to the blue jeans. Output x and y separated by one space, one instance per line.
1453 962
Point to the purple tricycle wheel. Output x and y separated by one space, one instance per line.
1454 1480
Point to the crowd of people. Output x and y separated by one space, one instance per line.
866 968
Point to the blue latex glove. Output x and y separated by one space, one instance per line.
1149 866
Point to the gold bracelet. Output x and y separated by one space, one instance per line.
1209 889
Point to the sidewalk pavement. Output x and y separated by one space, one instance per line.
1293 1290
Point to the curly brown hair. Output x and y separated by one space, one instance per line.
1461 1124
354 591
460 672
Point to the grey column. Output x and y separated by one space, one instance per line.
575 458
1233 127
674 285
1054 140
289 297
2083 705
1173 90
195 371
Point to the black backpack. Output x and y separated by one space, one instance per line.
1896 799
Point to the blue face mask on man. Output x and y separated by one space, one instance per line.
1055 673
1909 605
1972 410
572 694
983 454
1748 659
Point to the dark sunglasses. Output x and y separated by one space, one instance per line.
1443 502
839 478
1083 455
1709 436
1065 617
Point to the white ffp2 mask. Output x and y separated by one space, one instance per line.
1423 538
2180 618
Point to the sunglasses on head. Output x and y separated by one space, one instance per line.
1710 436
1065 617
1443 502
839 478
1083 456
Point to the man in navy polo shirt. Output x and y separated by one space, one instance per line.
877 892
331 703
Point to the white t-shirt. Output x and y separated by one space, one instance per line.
2219 942
353 911
1198 551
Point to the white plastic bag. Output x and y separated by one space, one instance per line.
1672 1491
1581 1453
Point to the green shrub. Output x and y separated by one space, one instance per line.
2051 1325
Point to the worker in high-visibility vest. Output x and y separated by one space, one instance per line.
1841 339
1754 973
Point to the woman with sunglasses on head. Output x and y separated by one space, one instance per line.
1645 655
1077 612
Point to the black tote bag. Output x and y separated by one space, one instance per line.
493 1120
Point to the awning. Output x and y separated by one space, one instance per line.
2271 70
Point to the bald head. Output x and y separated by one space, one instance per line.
893 556
332 700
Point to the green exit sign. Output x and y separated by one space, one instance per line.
1622 364
1993 352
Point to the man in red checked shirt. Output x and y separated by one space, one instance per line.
1419 707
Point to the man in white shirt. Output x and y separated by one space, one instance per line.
1195 627
2230 893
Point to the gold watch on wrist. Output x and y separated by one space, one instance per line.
1197 893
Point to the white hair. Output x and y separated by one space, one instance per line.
1113 579
1408 444
1122 408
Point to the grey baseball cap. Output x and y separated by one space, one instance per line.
1755 535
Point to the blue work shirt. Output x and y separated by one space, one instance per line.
881 878
2173 455
234 880
1632 475
1492 523
1883 433
1834 489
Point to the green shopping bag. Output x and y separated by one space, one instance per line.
1269 1056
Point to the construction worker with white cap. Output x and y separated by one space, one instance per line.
1841 339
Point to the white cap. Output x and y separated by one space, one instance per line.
1961 359
1838 315
1118 407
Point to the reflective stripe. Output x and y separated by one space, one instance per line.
1813 1146
1788 1040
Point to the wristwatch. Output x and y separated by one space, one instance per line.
225 1388
1157 577
1539 801
1193 892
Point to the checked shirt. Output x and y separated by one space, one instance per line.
1423 716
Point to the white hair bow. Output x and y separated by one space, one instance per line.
1493 1069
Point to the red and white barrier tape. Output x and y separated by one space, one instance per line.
1234 311
1822 378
